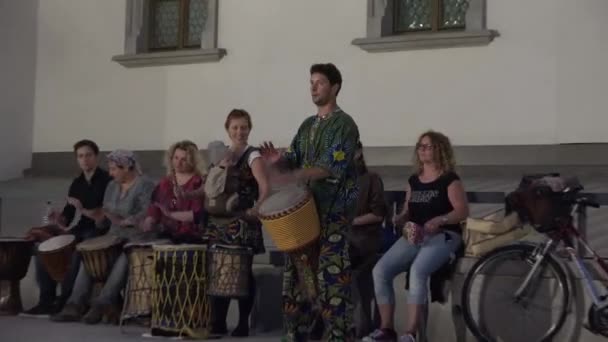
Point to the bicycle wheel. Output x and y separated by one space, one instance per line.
490 309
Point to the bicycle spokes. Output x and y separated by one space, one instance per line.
519 282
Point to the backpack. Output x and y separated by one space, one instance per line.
222 187
540 200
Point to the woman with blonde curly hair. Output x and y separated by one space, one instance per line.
434 207
171 209
188 154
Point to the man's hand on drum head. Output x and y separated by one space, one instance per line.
270 153
37 235
253 212
40 234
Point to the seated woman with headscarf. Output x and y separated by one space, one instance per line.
125 202
172 209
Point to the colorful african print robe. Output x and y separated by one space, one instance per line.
330 144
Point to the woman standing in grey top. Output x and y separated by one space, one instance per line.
125 203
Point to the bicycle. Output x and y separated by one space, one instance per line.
533 271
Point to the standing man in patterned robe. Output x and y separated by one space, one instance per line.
322 156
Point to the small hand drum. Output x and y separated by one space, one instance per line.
414 233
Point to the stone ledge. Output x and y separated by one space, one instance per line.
170 57
276 259
498 160
430 40
586 154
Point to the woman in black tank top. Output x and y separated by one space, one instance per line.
436 204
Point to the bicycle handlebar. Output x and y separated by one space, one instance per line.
586 202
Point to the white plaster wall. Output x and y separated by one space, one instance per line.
582 66
81 93
17 78
476 95
510 92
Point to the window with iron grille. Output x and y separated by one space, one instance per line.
429 15
176 24
394 25
161 32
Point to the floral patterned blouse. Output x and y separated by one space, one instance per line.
170 195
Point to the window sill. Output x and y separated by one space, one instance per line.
418 41
170 58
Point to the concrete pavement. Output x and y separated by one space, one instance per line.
21 329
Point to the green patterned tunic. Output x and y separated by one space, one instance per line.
329 144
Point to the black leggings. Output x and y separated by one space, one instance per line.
219 307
